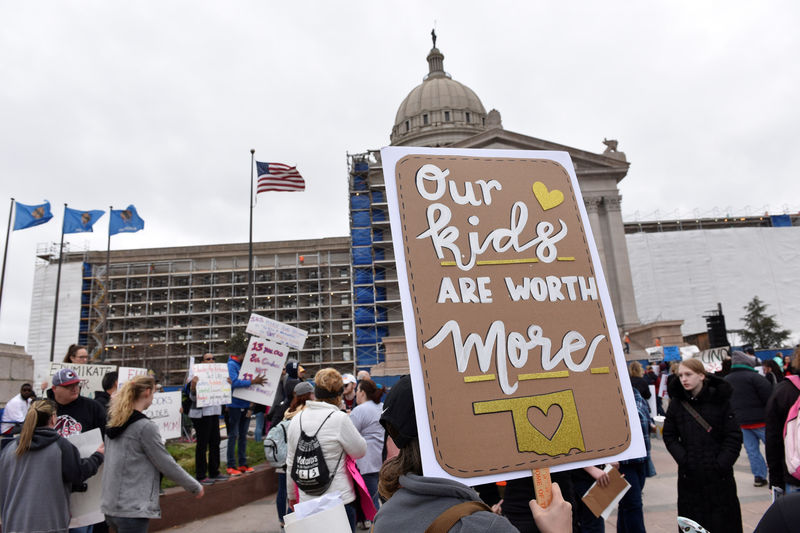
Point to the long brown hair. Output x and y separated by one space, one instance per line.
371 390
39 415
407 461
122 402
72 350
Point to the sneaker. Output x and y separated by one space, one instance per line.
245 469
759 482
221 477
233 472
206 481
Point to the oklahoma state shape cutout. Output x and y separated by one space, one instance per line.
514 346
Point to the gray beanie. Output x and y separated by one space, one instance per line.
741 358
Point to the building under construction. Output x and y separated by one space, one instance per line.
155 307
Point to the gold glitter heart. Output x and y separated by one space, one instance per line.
547 199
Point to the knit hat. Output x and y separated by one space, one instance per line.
304 387
65 377
399 418
741 358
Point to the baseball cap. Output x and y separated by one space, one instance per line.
304 387
348 378
65 377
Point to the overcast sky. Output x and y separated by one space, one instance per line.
157 104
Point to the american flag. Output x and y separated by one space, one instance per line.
279 177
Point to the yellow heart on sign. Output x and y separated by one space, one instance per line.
547 199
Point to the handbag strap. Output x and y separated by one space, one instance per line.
451 516
696 415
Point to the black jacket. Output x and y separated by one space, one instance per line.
642 386
80 416
782 399
751 391
706 486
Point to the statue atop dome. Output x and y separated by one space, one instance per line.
433 36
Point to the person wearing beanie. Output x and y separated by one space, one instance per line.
414 501
751 391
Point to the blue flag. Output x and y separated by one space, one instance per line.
31 215
77 221
125 221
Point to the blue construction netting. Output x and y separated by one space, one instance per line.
381 332
379 254
360 183
362 255
361 236
359 201
364 295
364 315
362 276
380 273
378 215
362 166
377 197
366 355
360 219
377 234
380 293
381 315
366 335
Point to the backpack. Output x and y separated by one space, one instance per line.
310 471
791 434
275 445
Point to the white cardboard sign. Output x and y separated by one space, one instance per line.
126 373
85 506
266 328
165 411
212 384
91 376
263 358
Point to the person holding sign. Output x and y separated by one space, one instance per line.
206 427
135 456
238 420
702 435
39 469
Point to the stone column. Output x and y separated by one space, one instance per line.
592 204
626 304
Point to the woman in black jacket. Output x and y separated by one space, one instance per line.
782 399
705 447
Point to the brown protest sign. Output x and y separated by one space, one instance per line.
509 325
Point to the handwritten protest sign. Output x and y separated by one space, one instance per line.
84 507
165 411
712 359
212 384
263 358
266 328
91 375
126 373
510 332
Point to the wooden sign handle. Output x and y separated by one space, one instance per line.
542 486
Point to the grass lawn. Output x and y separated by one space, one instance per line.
183 453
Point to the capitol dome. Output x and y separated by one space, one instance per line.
438 112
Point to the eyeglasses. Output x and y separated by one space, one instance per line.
211 360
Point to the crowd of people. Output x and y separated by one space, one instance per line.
342 434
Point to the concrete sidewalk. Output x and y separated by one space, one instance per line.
660 501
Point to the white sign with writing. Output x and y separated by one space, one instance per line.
91 376
266 328
126 373
165 411
212 384
263 358
85 506
712 359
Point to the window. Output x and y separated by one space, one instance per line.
425 119
407 126
467 116
483 121
447 116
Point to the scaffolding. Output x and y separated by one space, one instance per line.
164 305
376 296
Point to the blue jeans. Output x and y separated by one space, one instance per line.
751 445
280 499
128 525
259 427
238 422
350 509
371 481
630 515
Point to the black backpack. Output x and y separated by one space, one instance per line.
309 470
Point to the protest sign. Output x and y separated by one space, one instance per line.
266 328
712 359
84 507
509 325
91 375
126 373
212 384
165 411
262 358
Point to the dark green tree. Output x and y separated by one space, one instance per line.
760 329
238 343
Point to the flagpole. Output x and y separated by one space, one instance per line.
250 249
58 286
5 251
108 286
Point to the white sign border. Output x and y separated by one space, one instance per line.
390 155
